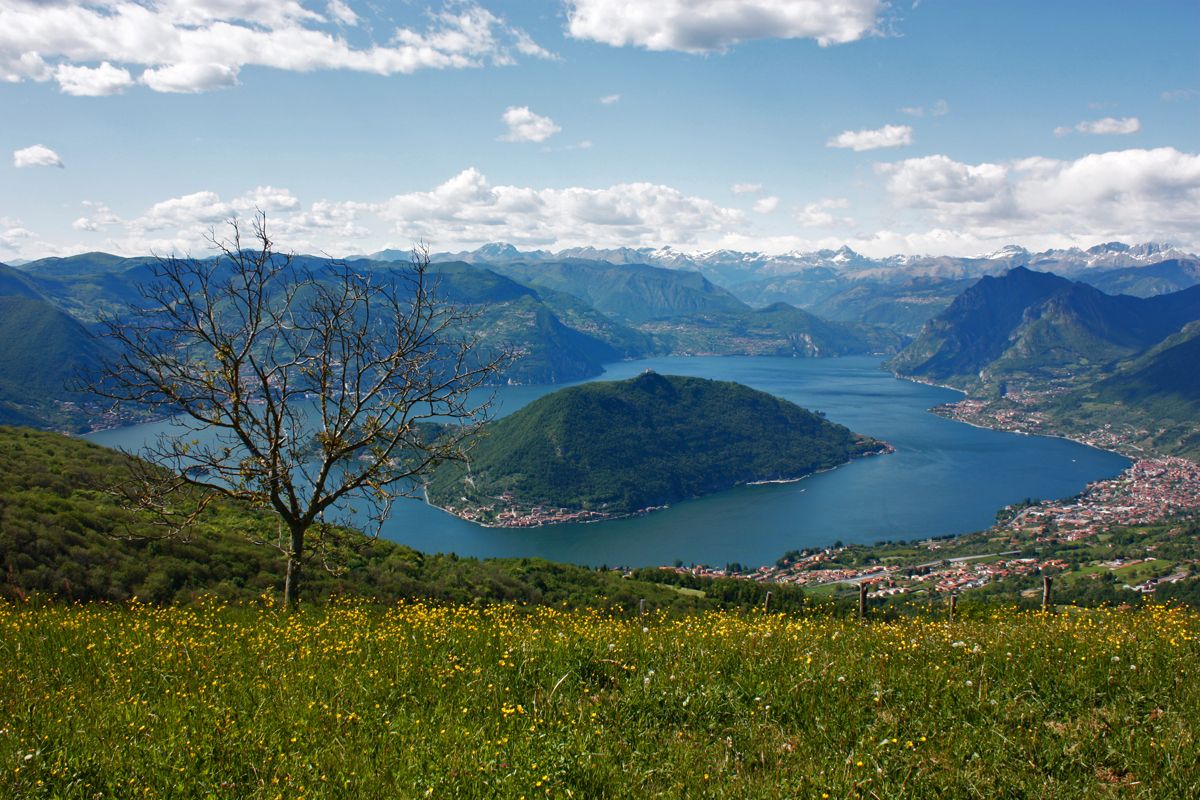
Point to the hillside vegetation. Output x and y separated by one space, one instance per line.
63 536
420 700
1035 325
44 353
623 446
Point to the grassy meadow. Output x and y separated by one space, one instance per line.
507 701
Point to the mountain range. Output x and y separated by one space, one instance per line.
731 267
900 291
984 322
1029 324
1063 349
563 320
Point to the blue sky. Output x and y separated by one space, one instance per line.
937 127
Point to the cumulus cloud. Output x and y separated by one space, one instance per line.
99 216
1105 126
90 46
887 136
766 205
697 26
205 208
933 204
268 199
526 126
190 78
609 99
1124 194
468 208
37 155
746 188
92 81
464 211
820 214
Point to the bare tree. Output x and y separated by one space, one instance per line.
302 386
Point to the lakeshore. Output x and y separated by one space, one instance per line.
1151 491
944 478
506 512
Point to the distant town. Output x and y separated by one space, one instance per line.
1149 491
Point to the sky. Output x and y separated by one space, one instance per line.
931 127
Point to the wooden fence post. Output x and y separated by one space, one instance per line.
642 607
767 602
1046 581
862 601
953 606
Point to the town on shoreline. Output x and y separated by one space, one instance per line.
1149 491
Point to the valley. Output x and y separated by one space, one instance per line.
1110 372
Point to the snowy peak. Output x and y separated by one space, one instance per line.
730 267
1009 251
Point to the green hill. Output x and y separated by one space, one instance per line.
1157 393
634 292
43 351
516 317
62 535
623 446
1035 325
14 283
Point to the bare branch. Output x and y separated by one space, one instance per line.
300 386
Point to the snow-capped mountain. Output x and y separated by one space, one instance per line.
733 267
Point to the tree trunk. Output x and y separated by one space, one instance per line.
291 585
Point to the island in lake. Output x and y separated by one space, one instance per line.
611 449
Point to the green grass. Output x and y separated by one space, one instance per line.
464 701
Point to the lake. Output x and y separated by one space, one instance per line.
944 478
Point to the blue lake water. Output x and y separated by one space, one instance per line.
944 478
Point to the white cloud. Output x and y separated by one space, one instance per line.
37 155
746 188
887 136
468 209
92 81
204 208
1105 126
342 12
1134 195
526 126
697 26
766 205
190 78
933 205
268 199
609 99
89 46
820 213
465 211
99 216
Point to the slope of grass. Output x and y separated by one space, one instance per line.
63 536
420 700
